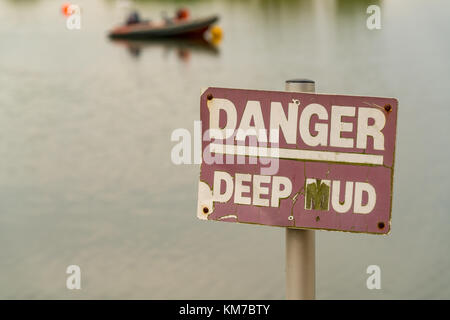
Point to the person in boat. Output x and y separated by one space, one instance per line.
133 18
182 14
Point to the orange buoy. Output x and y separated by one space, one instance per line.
65 8
216 33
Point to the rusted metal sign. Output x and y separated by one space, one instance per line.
301 160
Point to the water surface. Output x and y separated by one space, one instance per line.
85 170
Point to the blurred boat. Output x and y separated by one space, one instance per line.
172 28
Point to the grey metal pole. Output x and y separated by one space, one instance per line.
300 244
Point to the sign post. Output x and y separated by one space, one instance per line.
298 160
300 244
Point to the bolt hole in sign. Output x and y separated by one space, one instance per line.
299 160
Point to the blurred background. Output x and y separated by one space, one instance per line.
86 176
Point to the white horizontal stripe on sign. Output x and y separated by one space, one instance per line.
296 154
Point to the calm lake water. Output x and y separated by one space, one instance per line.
85 170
